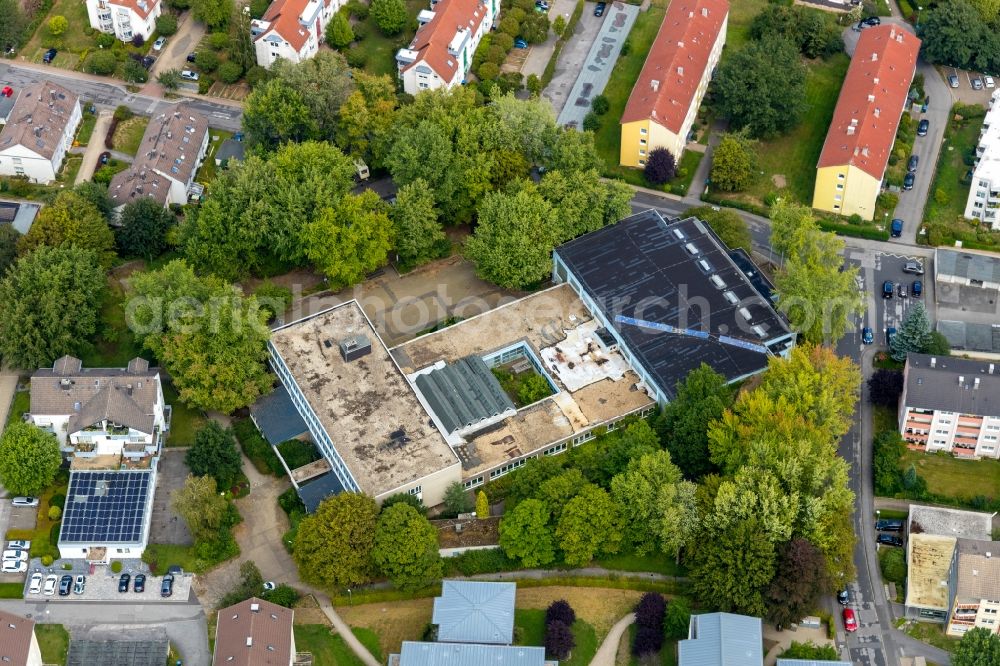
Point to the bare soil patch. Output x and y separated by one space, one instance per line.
473 532
393 621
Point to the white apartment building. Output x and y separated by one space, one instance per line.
951 404
440 54
291 30
39 131
124 18
984 195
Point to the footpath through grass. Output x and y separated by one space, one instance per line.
329 649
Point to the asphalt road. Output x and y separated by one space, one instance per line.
110 95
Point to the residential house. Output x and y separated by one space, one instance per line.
951 404
727 639
440 54
984 195
665 100
254 633
39 131
110 423
125 19
18 644
170 153
975 598
852 165
291 29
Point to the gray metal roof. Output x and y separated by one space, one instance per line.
231 149
463 393
967 265
110 652
276 417
457 654
811 662
951 384
475 612
722 639
956 523
970 336
318 489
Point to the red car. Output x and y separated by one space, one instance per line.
850 621
6 92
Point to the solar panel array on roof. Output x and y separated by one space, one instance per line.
105 507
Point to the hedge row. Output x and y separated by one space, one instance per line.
870 233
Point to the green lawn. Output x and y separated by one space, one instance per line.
129 133
11 590
740 15
329 649
530 624
184 422
949 193
380 51
71 167
53 641
952 477
86 128
206 174
884 418
159 556
71 44
19 406
933 634
632 562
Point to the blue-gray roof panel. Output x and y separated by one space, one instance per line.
457 654
723 639
475 612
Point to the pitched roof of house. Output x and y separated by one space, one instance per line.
722 639
126 396
15 638
39 118
676 62
434 654
475 612
169 150
283 16
432 38
253 633
871 100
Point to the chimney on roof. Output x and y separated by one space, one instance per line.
655 85
864 151
690 15
871 98
933 362
850 130
680 70
878 112
680 44
249 641
875 80
704 11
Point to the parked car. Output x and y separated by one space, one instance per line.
65 585
123 582
140 583
189 75
14 566
908 181
890 335
911 165
175 570
15 554
887 289
990 83
977 83
872 21
867 337
850 621
104 158
20 544
7 91
917 288
599 9
889 525
541 5
167 586
269 585
25 501
902 290
80 584
923 126
148 61
49 56
191 57
953 80
843 597
159 43
520 43
896 229
50 585
914 267
889 540
35 587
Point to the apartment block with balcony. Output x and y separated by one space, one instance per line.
951 404
291 30
39 131
125 19
975 586
440 54
984 194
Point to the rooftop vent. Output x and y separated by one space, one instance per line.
731 297
692 248
254 608
745 313
355 347
705 266
874 57
655 85
719 283
759 330
679 234
249 641
933 362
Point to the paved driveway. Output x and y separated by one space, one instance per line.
174 55
572 57
166 526
540 54
94 148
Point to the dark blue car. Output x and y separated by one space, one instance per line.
897 228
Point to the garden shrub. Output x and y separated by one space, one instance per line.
298 453
166 24
58 500
230 72
560 611
116 566
218 41
101 62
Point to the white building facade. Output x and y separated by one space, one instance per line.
39 132
984 195
125 19
440 54
291 30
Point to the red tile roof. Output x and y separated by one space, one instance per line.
871 100
676 62
432 38
283 15
253 633
15 638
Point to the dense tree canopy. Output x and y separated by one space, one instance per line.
885 387
350 240
419 236
405 548
734 163
978 647
367 118
525 535
143 228
799 582
214 453
389 15
29 458
201 506
71 220
955 33
323 83
733 567
701 398
274 113
333 546
590 524
49 302
914 335
8 246
814 33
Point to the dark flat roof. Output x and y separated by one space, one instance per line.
463 393
938 387
319 489
680 274
112 652
276 417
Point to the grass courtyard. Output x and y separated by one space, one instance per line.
961 480
329 649
53 642
380 50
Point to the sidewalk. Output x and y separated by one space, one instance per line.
540 54
94 148
608 651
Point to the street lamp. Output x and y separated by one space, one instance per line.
350 596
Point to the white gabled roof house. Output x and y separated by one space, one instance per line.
125 19
291 29
39 131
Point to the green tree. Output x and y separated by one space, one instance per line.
558 490
734 162
406 548
810 651
482 505
101 62
887 451
677 619
339 33
590 525
559 25
727 224
213 13
142 230
230 72
8 246
97 195
349 241
419 236
914 335
12 23
952 33
583 202
732 567
526 481
333 546
323 83
274 113
71 220
29 458
761 87
49 302
366 119
525 535
201 506
456 499
206 61
170 79
791 225
57 25
241 50
978 647
800 580
937 345
214 453
134 72
166 24
389 15
701 398
514 238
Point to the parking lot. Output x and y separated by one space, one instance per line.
15 518
572 57
965 93
102 583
